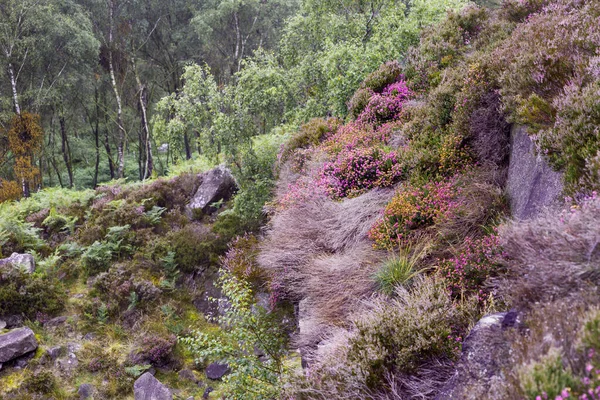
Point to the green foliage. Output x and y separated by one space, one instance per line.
137 370
400 270
18 235
548 375
169 265
249 327
42 382
56 222
310 134
25 294
154 214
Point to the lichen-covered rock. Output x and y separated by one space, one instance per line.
483 352
217 184
531 184
25 262
16 343
86 391
147 387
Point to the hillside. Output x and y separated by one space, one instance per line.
410 214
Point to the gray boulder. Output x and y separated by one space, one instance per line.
22 261
484 352
147 387
17 343
531 184
86 391
217 184
216 371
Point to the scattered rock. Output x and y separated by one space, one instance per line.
216 371
16 343
2 324
532 184
12 321
23 361
89 336
207 392
68 364
217 184
147 387
55 322
481 360
86 391
188 375
22 261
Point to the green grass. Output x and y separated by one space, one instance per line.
400 269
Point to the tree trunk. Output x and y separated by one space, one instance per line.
66 149
146 141
13 85
96 129
113 80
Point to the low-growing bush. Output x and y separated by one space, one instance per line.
412 208
400 270
356 171
240 259
477 261
386 106
25 294
389 336
309 134
385 75
195 247
154 349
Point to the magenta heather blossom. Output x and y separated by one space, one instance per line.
387 105
358 170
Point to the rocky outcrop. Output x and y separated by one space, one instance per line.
483 352
17 343
22 261
216 371
532 184
147 387
217 184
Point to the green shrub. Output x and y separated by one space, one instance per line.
194 246
249 328
21 293
383 76
548 375
310 134
42 382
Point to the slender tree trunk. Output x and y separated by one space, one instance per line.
188 149
13 85
66 148
113 80
96 129
111 164
146 141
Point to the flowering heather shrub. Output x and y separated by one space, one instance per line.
356 171
154 349
385 75
387 105
359 101
309 134
355 135
519 10
573 142
532 75
240 259
466 273
412 208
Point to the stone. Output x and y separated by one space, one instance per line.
481 361
23 361
55 322
21 261
217 184
188 375
207 392
16 343
531 185
86 391
216 371
67 365
12 321
147 387
2 324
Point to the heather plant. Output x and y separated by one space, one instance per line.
356 171
387 74
28 295
475 262
240 259
386 106
547 378
309 134
412 208
394 336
